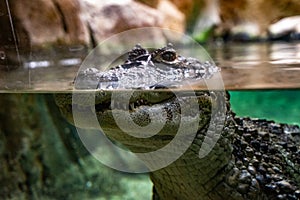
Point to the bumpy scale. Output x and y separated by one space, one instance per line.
148 70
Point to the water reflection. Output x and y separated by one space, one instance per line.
244 66
47 70
259 65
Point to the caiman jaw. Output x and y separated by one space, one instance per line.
141 105
189 159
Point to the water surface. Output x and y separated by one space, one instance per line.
243 66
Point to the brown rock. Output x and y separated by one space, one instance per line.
190 9
54 22
109 18
74 28
112 17
173 18
151 3
254 16
49 21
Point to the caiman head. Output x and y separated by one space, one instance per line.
143 91
146 87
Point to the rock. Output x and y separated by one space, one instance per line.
44 23
172 17
287 27
190 9
247 19
48 22
151 3
112 17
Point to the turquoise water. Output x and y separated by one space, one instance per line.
278 105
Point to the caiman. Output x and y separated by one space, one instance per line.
250 158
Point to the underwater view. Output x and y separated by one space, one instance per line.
282 106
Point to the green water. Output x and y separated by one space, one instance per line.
278 105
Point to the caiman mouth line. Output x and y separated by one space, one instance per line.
140 107
103 100
144 100
132 105
139 99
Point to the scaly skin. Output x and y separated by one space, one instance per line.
252 159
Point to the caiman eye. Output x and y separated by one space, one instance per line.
168 56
